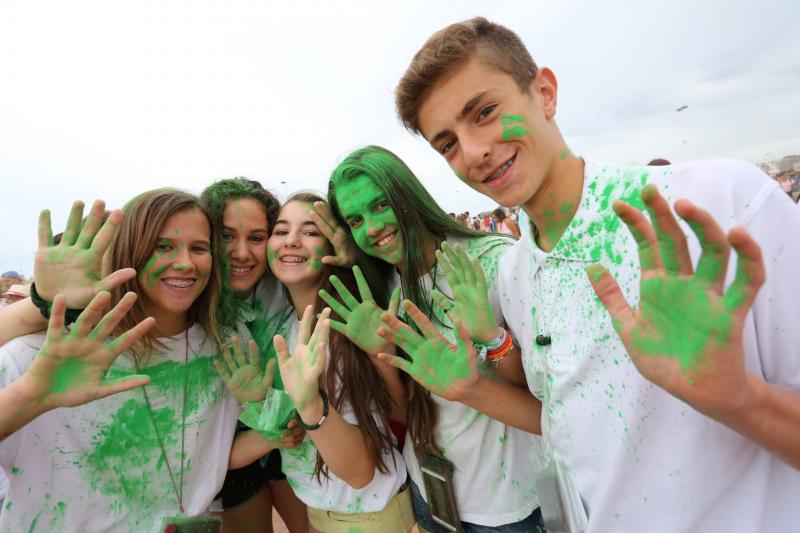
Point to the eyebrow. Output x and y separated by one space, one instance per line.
466 110
257 230
306 223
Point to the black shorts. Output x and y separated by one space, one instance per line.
243 483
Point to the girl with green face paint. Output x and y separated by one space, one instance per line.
157 452
244 213
398 228
348 468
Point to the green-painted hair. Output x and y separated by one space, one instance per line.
421 219
215 198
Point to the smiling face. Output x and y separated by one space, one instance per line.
372 220
245 235
178 270
499 139
296 246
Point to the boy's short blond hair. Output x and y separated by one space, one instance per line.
448 49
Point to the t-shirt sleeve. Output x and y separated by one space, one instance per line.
15 358
776 311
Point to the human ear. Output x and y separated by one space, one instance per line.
545 86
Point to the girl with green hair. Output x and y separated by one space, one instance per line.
398 228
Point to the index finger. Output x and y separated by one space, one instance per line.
363 286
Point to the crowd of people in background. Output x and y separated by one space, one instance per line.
362 362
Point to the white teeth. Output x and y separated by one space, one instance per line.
179 283
501 169
386 240
241 270
293 259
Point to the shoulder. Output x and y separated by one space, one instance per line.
488 245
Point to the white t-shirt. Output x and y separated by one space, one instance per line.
334 494
494 464
643 460
99 467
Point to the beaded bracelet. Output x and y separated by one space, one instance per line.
495 355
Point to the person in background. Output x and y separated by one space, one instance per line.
10 278
505 224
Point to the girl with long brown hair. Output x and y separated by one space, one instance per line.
348 471
142 459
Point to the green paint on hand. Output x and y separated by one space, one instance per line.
595 271
684 330
67 375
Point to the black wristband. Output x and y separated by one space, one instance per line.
312 427
70 316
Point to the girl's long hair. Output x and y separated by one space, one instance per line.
216 197
350 367
133 245
422 223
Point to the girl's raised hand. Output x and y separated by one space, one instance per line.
70 368
73 266
343 246
301 371
361 319
470 303
443 368
242 374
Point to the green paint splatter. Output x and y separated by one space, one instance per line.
67 375
685 329
512 129
564 154
15 471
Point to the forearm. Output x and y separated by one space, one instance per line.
20 318
16 408
510 369
769 416
511 405
247 447
341 445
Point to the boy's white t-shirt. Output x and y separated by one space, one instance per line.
642 459
334 494
99 467
495 465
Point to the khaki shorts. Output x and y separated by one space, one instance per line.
396 517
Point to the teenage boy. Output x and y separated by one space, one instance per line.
669 375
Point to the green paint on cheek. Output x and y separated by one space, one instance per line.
512 127
460 175
316 262
272 255
67 375
149 275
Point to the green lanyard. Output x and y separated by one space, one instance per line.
178 490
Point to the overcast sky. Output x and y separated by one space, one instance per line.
107 99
